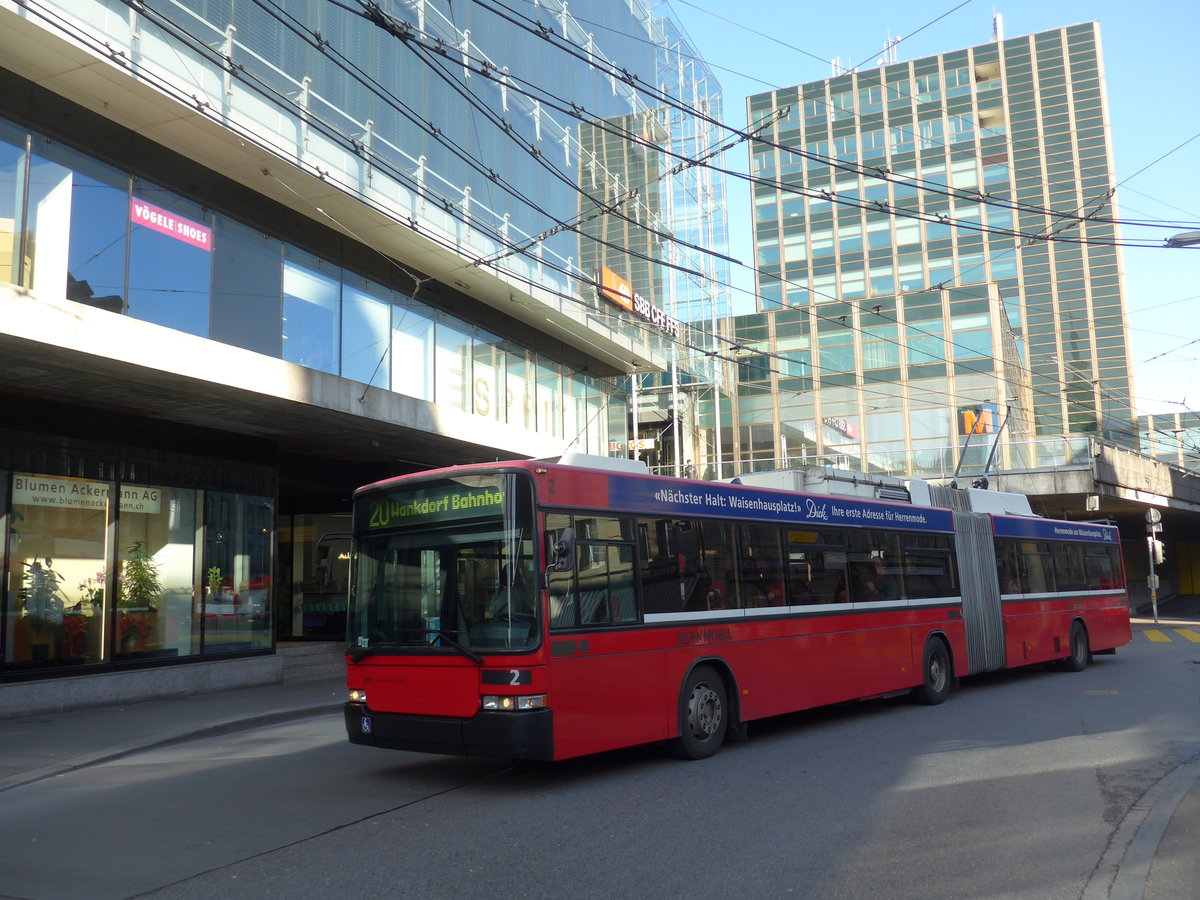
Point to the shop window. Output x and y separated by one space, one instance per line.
170 260
366 332
412 349
519 396
452 364
488 379
315 572
153 595
12 181
49 208
90 203
247 290
575 407
87 586
59 587
311 305
549 400
235 606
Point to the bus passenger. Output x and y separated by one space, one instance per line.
876 582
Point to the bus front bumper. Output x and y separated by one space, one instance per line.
500 735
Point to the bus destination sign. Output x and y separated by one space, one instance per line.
438 505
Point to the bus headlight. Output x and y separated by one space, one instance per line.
358 695
506 703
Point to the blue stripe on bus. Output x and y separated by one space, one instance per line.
1050 530
648 497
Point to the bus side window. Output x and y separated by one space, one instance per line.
561 584
760 570
876 573
1008 568
1103 568
564 607
659 566
622 585
1037 570
715 585
816 567
1069 567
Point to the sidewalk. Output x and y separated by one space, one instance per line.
41 746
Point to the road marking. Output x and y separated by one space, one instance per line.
1187 633
1156 636
1105 693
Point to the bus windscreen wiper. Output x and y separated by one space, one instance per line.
364 652
465 651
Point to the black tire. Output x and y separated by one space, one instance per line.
703 715
1081 653
936 674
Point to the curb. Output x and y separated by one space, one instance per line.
1124 870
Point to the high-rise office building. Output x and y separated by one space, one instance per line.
936 240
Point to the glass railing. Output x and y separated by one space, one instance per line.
930 463
294 117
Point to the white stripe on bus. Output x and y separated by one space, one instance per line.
757 612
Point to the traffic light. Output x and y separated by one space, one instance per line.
1159 551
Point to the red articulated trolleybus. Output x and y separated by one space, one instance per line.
549 610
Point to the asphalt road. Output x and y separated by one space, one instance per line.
1019 786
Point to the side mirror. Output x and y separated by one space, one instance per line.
563 550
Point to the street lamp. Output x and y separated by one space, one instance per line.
1184 239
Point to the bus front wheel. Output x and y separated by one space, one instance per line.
935 666
703 715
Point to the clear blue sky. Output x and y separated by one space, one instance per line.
1153 86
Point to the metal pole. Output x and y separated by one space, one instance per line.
717 428
631 445
1153 578
675 414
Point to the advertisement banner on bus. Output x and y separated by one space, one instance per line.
1050 530
640 495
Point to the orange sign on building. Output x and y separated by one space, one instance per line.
618 291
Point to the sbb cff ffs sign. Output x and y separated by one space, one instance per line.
618 291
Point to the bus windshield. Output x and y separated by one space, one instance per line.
444 565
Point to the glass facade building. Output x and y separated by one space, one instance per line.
1172 437
254 256
935 246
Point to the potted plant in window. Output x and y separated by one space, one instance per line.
42 607
139 592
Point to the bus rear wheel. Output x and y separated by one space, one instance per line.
703 715
937 675
1081 654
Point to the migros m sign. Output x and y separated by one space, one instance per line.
618 291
